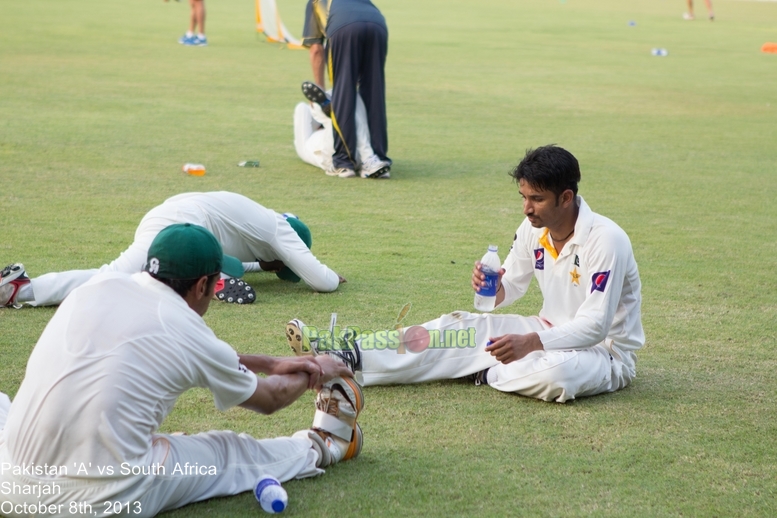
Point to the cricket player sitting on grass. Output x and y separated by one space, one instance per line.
81 435
315 144
582 343
260 237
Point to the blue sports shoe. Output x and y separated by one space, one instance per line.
200 41
186 40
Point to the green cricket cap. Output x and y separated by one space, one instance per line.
303 232
186 251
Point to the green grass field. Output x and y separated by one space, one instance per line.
100 107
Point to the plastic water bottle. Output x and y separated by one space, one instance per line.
485 299
271 495
659 52
194 169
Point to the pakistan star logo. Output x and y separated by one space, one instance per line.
575 277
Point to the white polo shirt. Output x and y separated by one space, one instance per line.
591 290
106 372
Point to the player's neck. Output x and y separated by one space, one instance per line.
562 233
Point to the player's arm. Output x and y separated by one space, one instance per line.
318 64
276 392
276 266
282 389
270 365
296 255
509 348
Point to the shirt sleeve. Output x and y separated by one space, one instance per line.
519 266
607 254
313 30
218 368
296 255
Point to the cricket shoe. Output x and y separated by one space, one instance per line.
12 278
343 347
479 378
234 291
374 167
335 434
315 94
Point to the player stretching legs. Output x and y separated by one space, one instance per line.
108 370
278 243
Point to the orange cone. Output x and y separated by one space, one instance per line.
770 48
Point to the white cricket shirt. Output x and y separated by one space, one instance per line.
591 290
106 372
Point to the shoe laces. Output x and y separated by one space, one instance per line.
348 352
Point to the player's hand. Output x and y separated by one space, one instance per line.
479 278
331 368
509 348
271 266
306 364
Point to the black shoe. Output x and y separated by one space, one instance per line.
479 378
315 94
235 291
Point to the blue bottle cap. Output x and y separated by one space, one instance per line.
278 506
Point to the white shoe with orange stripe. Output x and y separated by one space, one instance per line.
335 434
338 405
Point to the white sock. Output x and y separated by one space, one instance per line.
25 293
252 267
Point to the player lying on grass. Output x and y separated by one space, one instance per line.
258 236
314 142
582 343
107 370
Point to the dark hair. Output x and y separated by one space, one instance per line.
182 286
548 168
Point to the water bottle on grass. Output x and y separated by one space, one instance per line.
271 495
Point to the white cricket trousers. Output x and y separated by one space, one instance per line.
547 375
314 140
51 289
238 461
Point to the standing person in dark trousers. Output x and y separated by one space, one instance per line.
356 39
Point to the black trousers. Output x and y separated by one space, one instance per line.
357 59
